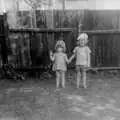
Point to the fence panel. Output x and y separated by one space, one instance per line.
30 47
104 45
3 38
105 49
33 47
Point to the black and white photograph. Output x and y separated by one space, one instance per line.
59 59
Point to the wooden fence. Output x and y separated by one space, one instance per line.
31 46
105 46
3 34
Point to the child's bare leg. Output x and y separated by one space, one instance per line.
78 78
63 79
57 79
84 78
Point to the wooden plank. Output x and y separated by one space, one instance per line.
104 68
43 30
112 31
26 69
3 35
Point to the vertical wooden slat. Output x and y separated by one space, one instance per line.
4 37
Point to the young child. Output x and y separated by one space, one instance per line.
60 61
82 54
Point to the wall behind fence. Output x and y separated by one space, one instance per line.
70 18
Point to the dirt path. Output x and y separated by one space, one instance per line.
38 100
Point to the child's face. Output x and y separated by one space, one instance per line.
82 42
59 49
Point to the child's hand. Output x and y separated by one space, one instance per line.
51 53
72 57
69 61
88 65
51 56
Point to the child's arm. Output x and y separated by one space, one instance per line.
88 57
73 55
52 56
71 58
66 59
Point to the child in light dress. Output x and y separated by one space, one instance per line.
60 61
82 55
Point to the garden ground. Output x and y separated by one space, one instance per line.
37 99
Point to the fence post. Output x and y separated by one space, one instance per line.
4 37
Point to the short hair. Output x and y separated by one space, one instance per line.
83 36
60 43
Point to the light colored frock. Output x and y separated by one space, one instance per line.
60 61
82 55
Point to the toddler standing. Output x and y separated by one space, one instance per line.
60 61
82 54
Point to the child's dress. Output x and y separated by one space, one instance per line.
59 61
82 55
